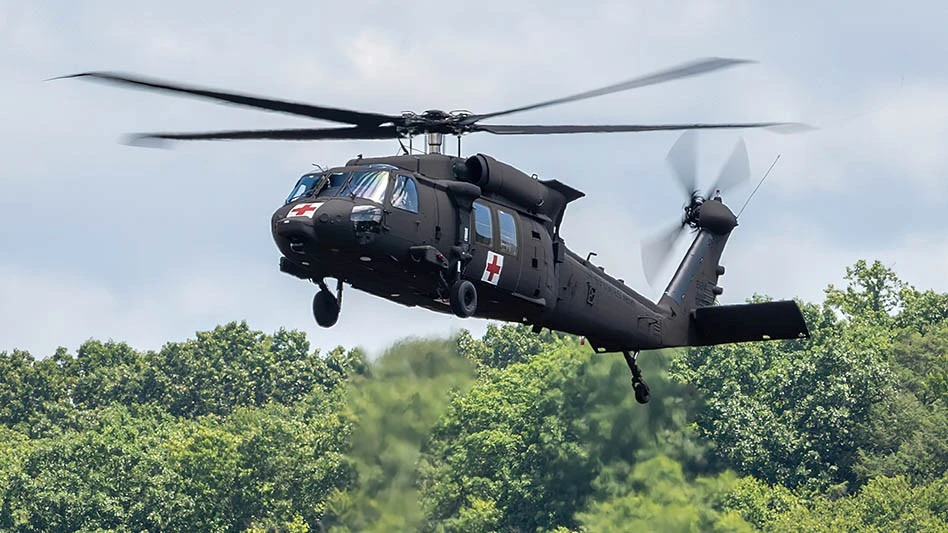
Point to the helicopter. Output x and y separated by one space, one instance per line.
477 237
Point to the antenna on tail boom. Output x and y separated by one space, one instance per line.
761 182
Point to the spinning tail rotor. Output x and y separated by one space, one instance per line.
682 158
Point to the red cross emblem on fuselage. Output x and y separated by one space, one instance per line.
495 263
304 210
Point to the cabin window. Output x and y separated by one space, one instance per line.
405 194
368 184
508 232
483 226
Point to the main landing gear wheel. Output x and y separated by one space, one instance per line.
463 298
642 393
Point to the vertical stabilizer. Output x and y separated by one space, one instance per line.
695 283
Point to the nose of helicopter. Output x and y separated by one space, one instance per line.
307 227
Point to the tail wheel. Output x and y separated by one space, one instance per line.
463 298
642 393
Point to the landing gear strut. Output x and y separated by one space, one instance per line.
326 305
642 393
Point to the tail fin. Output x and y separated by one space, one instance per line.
695 283
690 296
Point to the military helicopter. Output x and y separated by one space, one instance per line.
477 237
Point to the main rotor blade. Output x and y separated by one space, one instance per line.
301 134
685 70
656 250
734 172
682 158
293 108
621 128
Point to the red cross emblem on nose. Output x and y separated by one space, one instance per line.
304 210
495 263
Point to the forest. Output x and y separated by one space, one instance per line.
241 430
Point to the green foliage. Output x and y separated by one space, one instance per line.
785 413
506 344
104 373
531 442
234 366
921 310
238 430
659 497
882 505
142 469
407 391
512 441
910 429
873 293
921 360
34 395
758 503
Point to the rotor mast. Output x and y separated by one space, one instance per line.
434 142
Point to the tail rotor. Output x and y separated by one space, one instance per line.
682 159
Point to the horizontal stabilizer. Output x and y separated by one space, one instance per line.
720 324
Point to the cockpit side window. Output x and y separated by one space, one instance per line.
368 184
405 194
483 225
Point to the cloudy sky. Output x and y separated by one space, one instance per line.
103 240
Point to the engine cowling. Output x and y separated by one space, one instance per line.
493 176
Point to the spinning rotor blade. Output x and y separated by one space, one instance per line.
656 250
686 70
734 172
531 129
293 108
301 134
682 158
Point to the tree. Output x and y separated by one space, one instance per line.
873 293
234 366
394 408
105 373
882 504
659 497
108 474
909 434
532 442
510 446
506 344
34 395
790 413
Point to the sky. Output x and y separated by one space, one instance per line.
108 241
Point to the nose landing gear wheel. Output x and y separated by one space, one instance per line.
463 298
325 308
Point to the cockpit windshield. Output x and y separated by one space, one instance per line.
333 184
370 184
304 186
